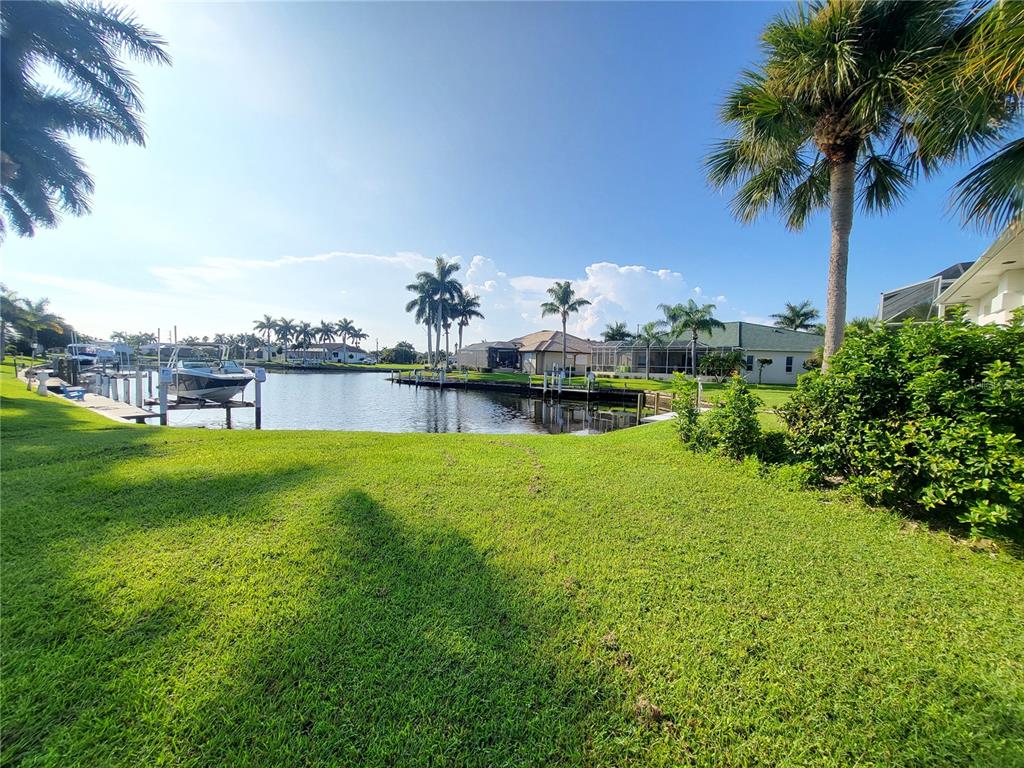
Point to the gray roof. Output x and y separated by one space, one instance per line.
482 345
766 337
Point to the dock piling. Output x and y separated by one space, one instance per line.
164 383
261 376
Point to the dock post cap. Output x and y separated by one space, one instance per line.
261 374
166 377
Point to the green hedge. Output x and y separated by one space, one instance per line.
923 416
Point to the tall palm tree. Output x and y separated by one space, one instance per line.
304 335
692 318
797 317
970 102
563 303
344 329
467 308
35 317
358 335
284 329
651 335
83 43
266 326
818 123
325 332
422 305
444 289
616 332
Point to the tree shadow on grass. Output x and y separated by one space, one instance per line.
415 651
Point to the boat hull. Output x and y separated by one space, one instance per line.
213 387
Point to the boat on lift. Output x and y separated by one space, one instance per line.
199 374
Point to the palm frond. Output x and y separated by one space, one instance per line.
992 194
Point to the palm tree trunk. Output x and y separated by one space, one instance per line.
447 354
563 342
693 353
459 348
841 183
437 344
430 348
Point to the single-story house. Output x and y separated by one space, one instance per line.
331 353
993 287
785 348
539 352
919 301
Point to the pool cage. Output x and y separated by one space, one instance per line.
631 358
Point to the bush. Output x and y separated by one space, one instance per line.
684 403
731 428
922 416
773 447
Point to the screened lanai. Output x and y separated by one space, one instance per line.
631 357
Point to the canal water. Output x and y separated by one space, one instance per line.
365 401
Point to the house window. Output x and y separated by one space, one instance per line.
750 362
789 364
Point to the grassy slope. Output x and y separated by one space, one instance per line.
202 597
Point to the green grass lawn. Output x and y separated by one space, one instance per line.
198 597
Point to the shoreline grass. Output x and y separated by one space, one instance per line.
201 597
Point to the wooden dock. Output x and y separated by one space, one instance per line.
112 409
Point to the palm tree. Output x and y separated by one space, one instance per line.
358 334
444 289
11 314
82 42
970 101
616 332
563 303
266 326
819 121
344 329
651 335
422 305
467 307
304 335
36 316
284 329
325 332
693 318
797 317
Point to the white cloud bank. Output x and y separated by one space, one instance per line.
226 294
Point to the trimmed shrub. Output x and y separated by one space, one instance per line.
685 406
921 416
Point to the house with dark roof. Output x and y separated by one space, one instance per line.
786 349
919 301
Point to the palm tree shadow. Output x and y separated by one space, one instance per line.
417 648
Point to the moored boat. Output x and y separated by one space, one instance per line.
217 380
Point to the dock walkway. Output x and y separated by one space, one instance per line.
114 410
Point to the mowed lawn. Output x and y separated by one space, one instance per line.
191 597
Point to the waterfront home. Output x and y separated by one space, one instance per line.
786 349
993 287
541 352
534 353
919 301
329 353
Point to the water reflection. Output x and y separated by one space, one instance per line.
369 402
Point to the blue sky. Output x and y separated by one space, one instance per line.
306 159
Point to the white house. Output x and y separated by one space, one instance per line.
993 287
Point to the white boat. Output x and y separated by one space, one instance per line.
89 355
203 378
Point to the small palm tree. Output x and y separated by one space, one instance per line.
35 317
304 335
98 98
692 318
563 303
444 289
357 335
11 313
651 335
797 317
616 332
467 308
819 122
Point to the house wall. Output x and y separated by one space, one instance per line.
471 358
545 362
997 305
776 372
